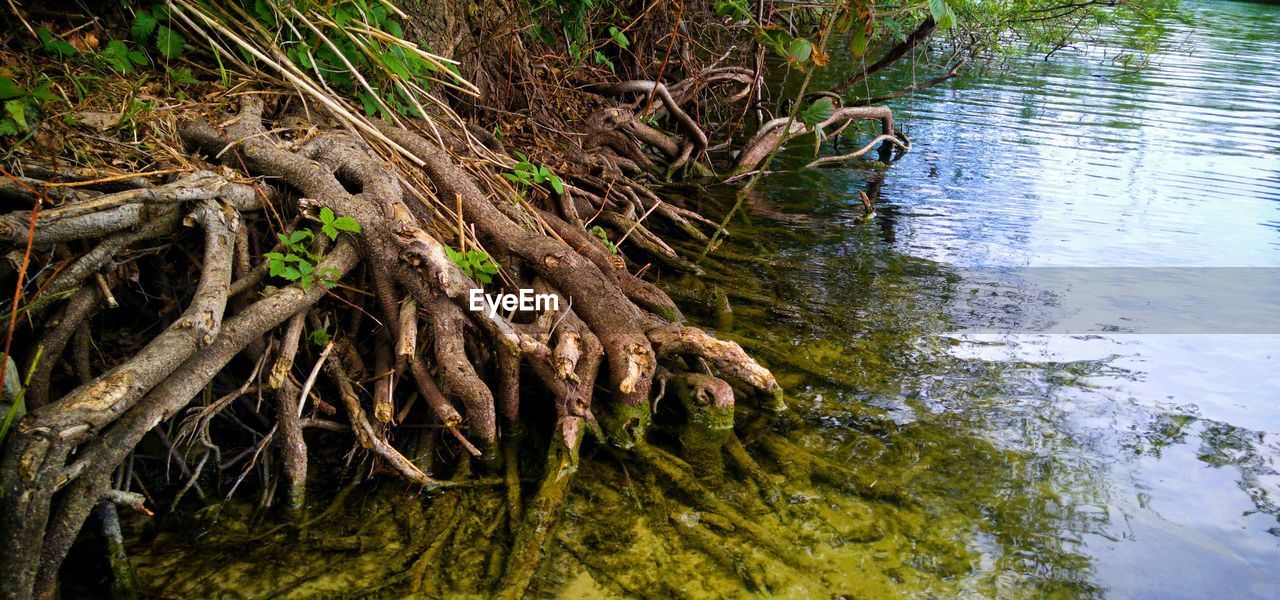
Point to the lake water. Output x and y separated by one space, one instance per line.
1127 461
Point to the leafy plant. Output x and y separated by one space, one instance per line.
354 46
599 232
17 408
150 26
320 337
21 105
331 224
586 27
121 58
942 13
474 263
527 173
819 111
298 262
54 44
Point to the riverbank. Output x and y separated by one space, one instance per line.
912 461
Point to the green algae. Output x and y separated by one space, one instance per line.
862 490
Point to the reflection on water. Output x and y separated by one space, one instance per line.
1125 465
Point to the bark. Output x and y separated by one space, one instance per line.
31 473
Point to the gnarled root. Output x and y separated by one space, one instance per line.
611 328
776 132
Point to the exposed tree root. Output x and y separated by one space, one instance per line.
422 380
59 461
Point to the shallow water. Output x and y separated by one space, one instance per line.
968 453
1129 464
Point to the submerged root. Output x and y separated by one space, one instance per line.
613 330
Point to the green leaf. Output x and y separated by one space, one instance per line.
329 230
326 214
370 105
17 110
43 94
601 59
8 127
143 25
9 89
618 37
858 41
557 185
347 224
55 45
169 42
273 256
734 9
265 14
942 14
290 273
117 55
396 66
320 337
305 267
819 111
949 19
937 8
799 50
183 76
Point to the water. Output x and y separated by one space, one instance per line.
1130 465
1100 463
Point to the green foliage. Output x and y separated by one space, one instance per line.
121 58
819 111
527 173
799 50
326 40
133 116
17 408
182 76
331 224
298 263
54 44
619 38
320 337
734 9
599 232
22 106
149 27
143 26
585 27
474 263
169 42
942 14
